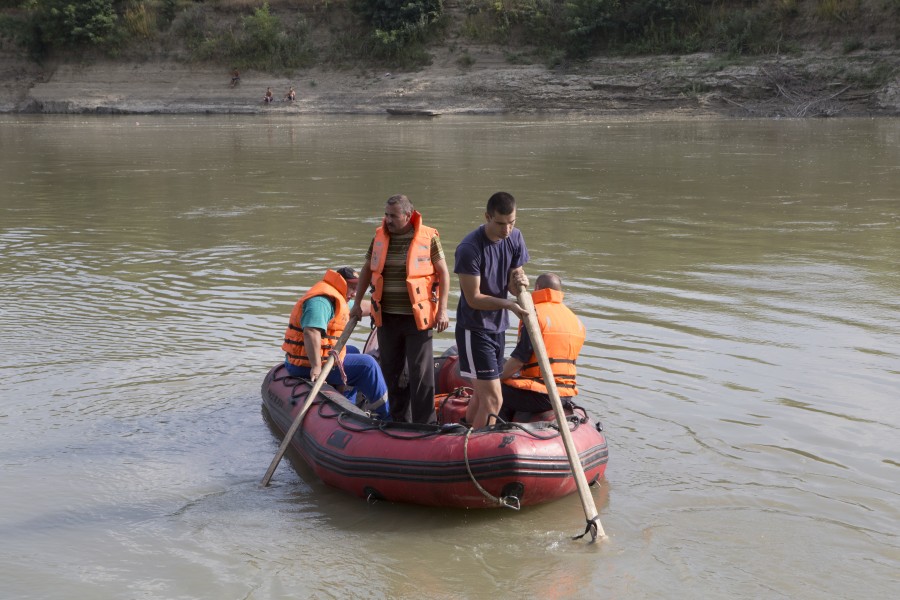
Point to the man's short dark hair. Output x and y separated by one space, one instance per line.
403 202
501 203
348 273
548 280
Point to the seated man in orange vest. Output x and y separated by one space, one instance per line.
563 333
316 324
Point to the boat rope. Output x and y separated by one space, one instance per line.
592 528
358 423
505 501
340 365
406 431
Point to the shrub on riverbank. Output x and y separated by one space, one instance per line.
579 28
261 40
287 34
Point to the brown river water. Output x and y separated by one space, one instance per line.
740 283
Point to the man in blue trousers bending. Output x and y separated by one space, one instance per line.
316 324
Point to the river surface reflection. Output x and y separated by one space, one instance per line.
739 282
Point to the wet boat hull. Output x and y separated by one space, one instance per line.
450 466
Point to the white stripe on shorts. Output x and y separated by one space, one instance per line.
467 339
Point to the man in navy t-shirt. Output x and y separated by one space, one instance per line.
489 264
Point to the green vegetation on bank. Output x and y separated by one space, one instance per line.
288 34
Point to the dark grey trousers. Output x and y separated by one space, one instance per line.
401 345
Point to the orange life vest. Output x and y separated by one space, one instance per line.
563 335
334 287
421 278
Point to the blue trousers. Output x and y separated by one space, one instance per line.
363 374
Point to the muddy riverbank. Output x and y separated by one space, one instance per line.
811 84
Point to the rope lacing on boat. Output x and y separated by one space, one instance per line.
504 501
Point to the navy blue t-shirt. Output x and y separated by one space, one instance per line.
492 261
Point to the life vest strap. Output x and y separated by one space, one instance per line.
552 361
541 381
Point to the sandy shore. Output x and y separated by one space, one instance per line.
695 86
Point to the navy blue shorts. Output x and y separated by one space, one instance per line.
480 353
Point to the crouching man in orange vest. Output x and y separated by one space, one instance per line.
316 324
563 333
405 264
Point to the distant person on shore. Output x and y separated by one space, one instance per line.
291 95
235 78
269 97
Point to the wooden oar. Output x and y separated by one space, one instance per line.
326 369
540 351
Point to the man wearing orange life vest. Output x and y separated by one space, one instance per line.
563 333
405 264
316 324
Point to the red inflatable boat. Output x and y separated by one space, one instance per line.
509 464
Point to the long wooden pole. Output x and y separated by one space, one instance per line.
326 369
540 351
